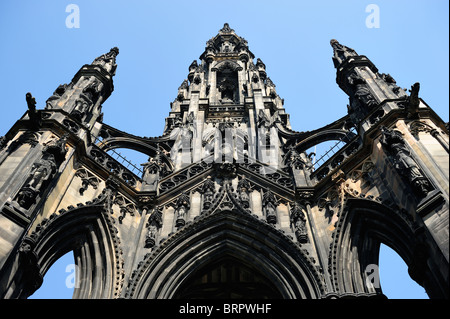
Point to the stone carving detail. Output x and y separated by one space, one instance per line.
417 126
208 190
391 83
29 263
341 52
294 160
60 90
182 176
226 170
154 223
35 115
397 150
243 189
42 171
298 222
108 61
181 209
112 166
82 105
269 205
87 179
126 206
362 93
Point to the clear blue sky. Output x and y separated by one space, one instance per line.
158 40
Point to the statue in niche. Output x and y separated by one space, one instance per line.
362 93
269 204
227 88
300 230
404 163
270 213
181 210
153 225
243 191
299 223
41 172
208 192
150 239
79 111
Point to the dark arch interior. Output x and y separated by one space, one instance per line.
227 278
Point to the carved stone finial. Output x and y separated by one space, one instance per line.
108 60
226 29
341 52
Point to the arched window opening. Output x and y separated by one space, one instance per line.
59 281
394 278
227 83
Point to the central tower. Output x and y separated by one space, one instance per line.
227 107
230 203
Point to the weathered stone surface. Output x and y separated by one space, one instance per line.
229 202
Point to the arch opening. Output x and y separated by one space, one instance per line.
226 240
59 281
394 277
227 278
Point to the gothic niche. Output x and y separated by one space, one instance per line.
60 90
298 222
208 190
243 188
153 225
42 171
269 205
227 84
86 101
362 94
181 209
398 152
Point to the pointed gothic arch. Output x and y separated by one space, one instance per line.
89 233
363 226
231 236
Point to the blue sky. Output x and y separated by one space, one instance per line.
158 40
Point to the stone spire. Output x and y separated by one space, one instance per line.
108 61
341 53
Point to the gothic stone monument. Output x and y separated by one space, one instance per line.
229 203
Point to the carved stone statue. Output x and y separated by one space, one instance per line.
404 163
42 171
153 225
108 60
269 203
362 93
208 192
299 223
150 239
182 208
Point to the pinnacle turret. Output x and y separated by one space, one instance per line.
341 53
108 60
